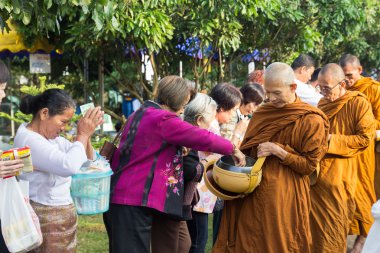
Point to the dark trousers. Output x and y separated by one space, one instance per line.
198 229
133 229
3 247
170 236
216 219
107 224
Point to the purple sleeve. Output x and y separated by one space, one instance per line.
178 132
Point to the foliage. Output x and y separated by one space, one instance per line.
121 33
32 90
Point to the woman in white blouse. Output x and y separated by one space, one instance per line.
55 160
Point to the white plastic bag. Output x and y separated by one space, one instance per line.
19 223
372 243
98 165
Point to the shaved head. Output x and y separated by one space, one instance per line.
351 67
280 73
331 81
279 84
349 59
333 71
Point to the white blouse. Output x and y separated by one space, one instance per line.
54 162
307 94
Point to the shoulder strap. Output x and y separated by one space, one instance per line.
118 135
126 149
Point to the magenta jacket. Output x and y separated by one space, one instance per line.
153 176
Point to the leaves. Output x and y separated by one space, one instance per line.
282 28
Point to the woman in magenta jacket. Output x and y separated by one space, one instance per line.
148 181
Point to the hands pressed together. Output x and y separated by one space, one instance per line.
88 123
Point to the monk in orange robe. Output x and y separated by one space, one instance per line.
351 132
368 179
293 136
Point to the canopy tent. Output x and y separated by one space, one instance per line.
13 42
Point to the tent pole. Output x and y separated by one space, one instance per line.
10 91
101 82
86 79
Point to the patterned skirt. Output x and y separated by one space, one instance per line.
58 226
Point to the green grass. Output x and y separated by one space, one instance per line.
92 236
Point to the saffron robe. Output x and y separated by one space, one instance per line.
275 217
333 196
365 192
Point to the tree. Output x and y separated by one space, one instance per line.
211 36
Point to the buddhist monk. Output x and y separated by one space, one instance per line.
351 132
365 192
293 136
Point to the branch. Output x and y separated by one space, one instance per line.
108 111
155 76
126 85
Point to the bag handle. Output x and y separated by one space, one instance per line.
118 135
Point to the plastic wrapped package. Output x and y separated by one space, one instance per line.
372 243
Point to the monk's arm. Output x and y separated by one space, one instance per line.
351 145
313 142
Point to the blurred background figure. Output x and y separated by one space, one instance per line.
257 76
303 67
313 83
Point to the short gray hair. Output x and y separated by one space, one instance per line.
201 106
279 72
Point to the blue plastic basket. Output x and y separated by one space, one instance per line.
91 192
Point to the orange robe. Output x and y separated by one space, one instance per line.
365 192
275 217
333 196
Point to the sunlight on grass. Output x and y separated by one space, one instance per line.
92 236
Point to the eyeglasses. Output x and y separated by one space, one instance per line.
326 89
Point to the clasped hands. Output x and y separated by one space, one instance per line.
88 123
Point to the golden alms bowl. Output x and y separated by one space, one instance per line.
228 181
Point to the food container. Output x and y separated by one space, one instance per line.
19 153
91 192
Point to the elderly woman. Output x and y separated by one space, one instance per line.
55 159
7 168
253 96
228 99
149 181
199 112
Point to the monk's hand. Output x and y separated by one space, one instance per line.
270 148
238 156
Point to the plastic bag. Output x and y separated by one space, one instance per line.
19 223
98 165
372 243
